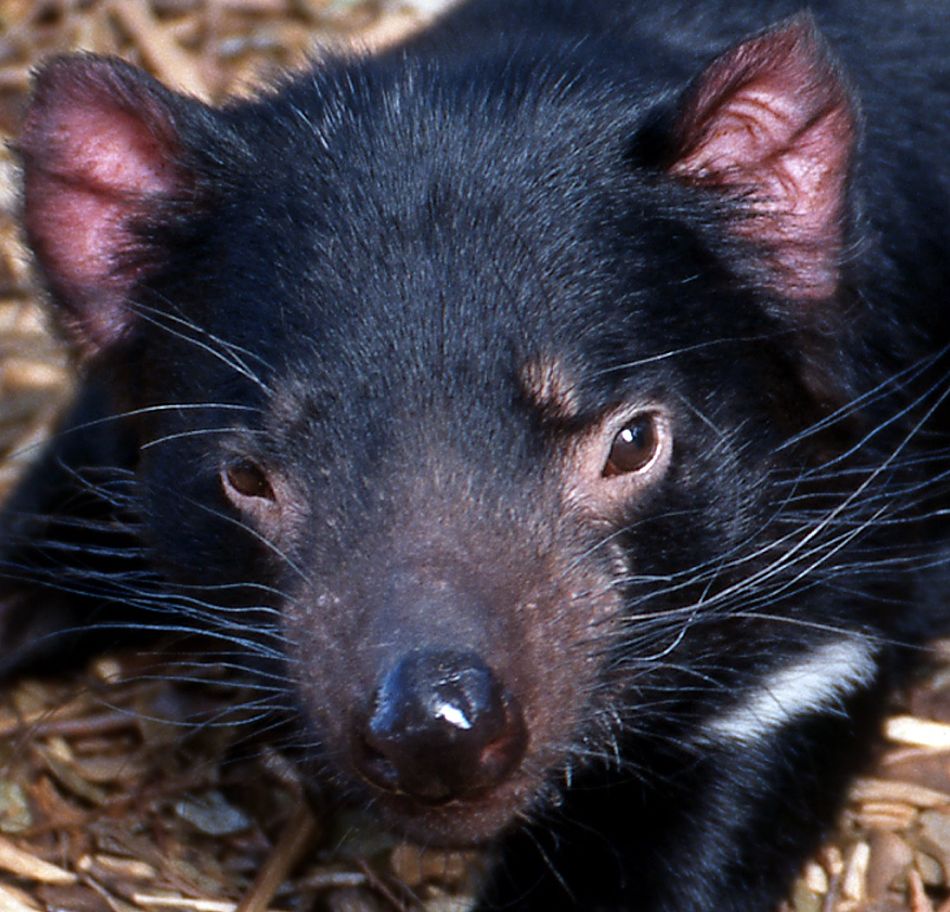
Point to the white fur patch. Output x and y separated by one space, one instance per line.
818 681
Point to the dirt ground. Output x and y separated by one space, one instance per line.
119 791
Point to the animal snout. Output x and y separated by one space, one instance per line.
441 726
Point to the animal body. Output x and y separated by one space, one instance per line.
548 414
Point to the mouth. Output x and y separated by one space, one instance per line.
458 823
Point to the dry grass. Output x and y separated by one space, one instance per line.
112 797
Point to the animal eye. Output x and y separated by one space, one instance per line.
633 447
248 480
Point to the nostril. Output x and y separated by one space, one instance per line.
373 762
501 754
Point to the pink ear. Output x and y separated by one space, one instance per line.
100 156
771 121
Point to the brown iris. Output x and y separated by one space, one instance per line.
633 447
249 480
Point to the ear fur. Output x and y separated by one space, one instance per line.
102 158
771 121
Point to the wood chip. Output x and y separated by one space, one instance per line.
71 778
901 815
816 878
833 860
23 864
919 901
855 872
930 870
159 50
449 904
15 815
186 903
294 839
918 732
14 900
890 859
908 793
128 868
113 902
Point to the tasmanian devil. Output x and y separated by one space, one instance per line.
550 413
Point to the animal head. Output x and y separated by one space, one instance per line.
463 398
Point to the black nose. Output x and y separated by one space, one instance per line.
441 726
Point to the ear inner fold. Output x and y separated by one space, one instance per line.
771 121
100 157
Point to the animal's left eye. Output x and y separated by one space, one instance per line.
248 479
633 447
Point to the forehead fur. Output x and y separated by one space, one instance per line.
549 387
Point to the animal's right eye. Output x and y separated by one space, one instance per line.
247 479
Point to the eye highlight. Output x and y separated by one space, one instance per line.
634 446
247 479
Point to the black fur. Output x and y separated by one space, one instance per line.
413 290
